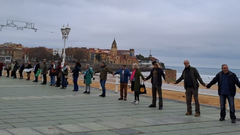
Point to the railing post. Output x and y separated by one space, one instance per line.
116 89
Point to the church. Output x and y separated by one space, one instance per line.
113 55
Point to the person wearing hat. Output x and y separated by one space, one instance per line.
124 78
103 76
156 76
44 72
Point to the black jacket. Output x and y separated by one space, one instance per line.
194 76
232 81
36 68
160 75
76 71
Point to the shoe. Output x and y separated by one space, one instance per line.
85 92
43 83
197 114
125 99
75 90
221 119
88 92
137 102
34 81
160 107
62 88
102 95
133 102
120 98
189 113
151 106
57 86
233 120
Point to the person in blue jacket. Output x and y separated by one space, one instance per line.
124 78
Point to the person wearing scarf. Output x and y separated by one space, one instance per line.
135 82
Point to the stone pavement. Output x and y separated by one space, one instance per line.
28 108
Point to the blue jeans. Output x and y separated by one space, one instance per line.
52 78
231 105
64 82
75 81
102 83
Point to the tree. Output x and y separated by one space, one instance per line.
140 56
39 53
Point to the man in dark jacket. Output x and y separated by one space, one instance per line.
44 72
226 90
1 67
124 78
103 77
191 77
35 70
156 75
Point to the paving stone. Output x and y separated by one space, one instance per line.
102 133
23 131
73 128
50 130
94 126
125 131
4 132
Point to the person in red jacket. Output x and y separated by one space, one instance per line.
1 67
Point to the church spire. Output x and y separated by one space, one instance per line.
114 44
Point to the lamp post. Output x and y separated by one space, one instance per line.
65 32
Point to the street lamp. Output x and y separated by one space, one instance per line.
65 32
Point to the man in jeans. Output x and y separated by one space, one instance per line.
124 78
156 75
191 77
103 77
226 90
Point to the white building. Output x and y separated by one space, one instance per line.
57 51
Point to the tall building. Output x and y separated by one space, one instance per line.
113 55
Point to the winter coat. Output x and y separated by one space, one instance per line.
76 71
123 78
160 74
36 67
103 72
44 69
195 78
232 80
52 67
21 68
88 76
29 66
137 76
1 66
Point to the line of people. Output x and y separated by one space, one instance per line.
226 82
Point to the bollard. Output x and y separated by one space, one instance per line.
116 89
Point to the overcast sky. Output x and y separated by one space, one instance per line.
206 32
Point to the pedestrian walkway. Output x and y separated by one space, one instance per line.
28 108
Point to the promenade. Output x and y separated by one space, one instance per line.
28 108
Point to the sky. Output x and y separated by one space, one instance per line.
205 32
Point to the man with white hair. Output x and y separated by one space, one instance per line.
191 77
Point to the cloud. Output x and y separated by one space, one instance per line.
206 32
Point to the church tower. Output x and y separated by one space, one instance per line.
114 48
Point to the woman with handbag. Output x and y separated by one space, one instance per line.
52 73
135 82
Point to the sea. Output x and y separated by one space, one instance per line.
207 74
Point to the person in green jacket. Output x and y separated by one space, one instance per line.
103 77
135 82
88 74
